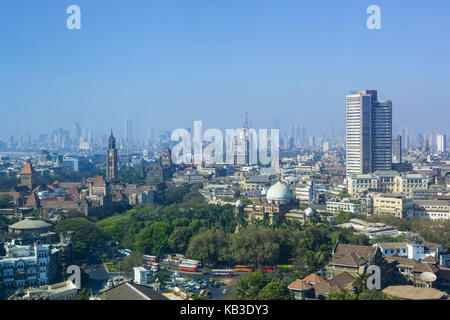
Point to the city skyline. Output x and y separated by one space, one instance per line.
287 61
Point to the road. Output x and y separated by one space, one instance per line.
98 277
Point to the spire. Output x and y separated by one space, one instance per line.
246 126
112 141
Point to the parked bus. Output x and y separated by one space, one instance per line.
189 261
188 267
243 269
151 258
153 266
268 269
223 272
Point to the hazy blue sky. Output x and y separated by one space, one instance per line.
164 64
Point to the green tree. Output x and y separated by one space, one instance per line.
341 295
256 245
153 239
85 294
5 201
135 259
210 246
373 295
179 240
250 286
87 235
360 283
275 290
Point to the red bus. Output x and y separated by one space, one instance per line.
188 267
268 269
151 258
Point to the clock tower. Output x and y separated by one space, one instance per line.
111 159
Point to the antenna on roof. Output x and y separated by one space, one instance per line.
246 126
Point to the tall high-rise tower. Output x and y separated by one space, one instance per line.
111 159
397 149
128 132
368 132
441 142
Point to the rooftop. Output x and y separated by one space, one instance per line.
415 293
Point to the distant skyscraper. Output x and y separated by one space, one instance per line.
426 146
405 139
77 135
382 135
441 142
368 133
397 149
304 134
111 159
128 131
298 136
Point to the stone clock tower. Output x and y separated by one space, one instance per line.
111 159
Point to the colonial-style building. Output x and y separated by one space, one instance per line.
27 175
278 201
353 259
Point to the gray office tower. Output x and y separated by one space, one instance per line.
128 131
368 133
397 149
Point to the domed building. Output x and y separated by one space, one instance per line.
310 212
277 202
29 226
279 193
239 204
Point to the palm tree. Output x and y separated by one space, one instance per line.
360 283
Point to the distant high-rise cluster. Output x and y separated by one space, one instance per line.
368 133
128 132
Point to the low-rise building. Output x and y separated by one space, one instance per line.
392 204
66 290
347 205
387 182
411 250
431 209
305 192
353 259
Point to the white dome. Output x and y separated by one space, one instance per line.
239 204
310 212
279 192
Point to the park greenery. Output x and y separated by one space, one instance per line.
220 235
432 231
215 235
258 286
87 235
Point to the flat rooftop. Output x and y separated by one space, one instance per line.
415 293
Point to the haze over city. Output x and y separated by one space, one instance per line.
165 64
235 152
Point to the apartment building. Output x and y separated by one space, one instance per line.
432 209
346 205
394 205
